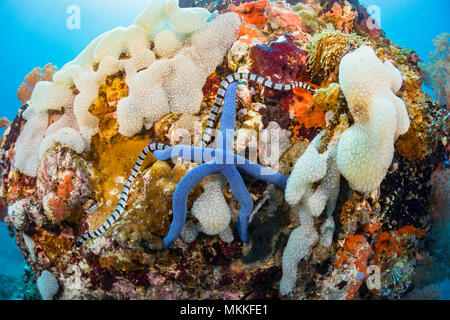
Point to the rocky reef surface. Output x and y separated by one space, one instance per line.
365 210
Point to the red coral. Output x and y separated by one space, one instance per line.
59 208
65 187
285 19
99 276
30 81
393 243
252 12
281 60
356 252
211 86
307 113
138 278
248 33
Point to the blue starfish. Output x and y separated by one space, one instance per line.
220 160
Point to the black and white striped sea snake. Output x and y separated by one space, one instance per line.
210 126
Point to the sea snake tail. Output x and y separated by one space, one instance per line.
124 196
205 140
211 124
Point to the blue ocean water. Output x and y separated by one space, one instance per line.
35 33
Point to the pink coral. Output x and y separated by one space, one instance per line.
36 75
62 183
341 16
252 12
289 21
125 289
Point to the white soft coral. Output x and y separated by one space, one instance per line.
212 210
191 43
312 167
366 149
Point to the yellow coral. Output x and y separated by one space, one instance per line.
309 18
113 154
105 109
122 260
327 98
148 219
54 246
326 49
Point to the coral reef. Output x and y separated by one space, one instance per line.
111 171
176 83
310 168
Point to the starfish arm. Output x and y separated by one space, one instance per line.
189 153
229 108
242 195
226 133
260 172
180 196
166 153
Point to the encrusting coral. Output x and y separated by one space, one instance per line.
219 160
63 184
117 153
327 98
310 19
138 226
